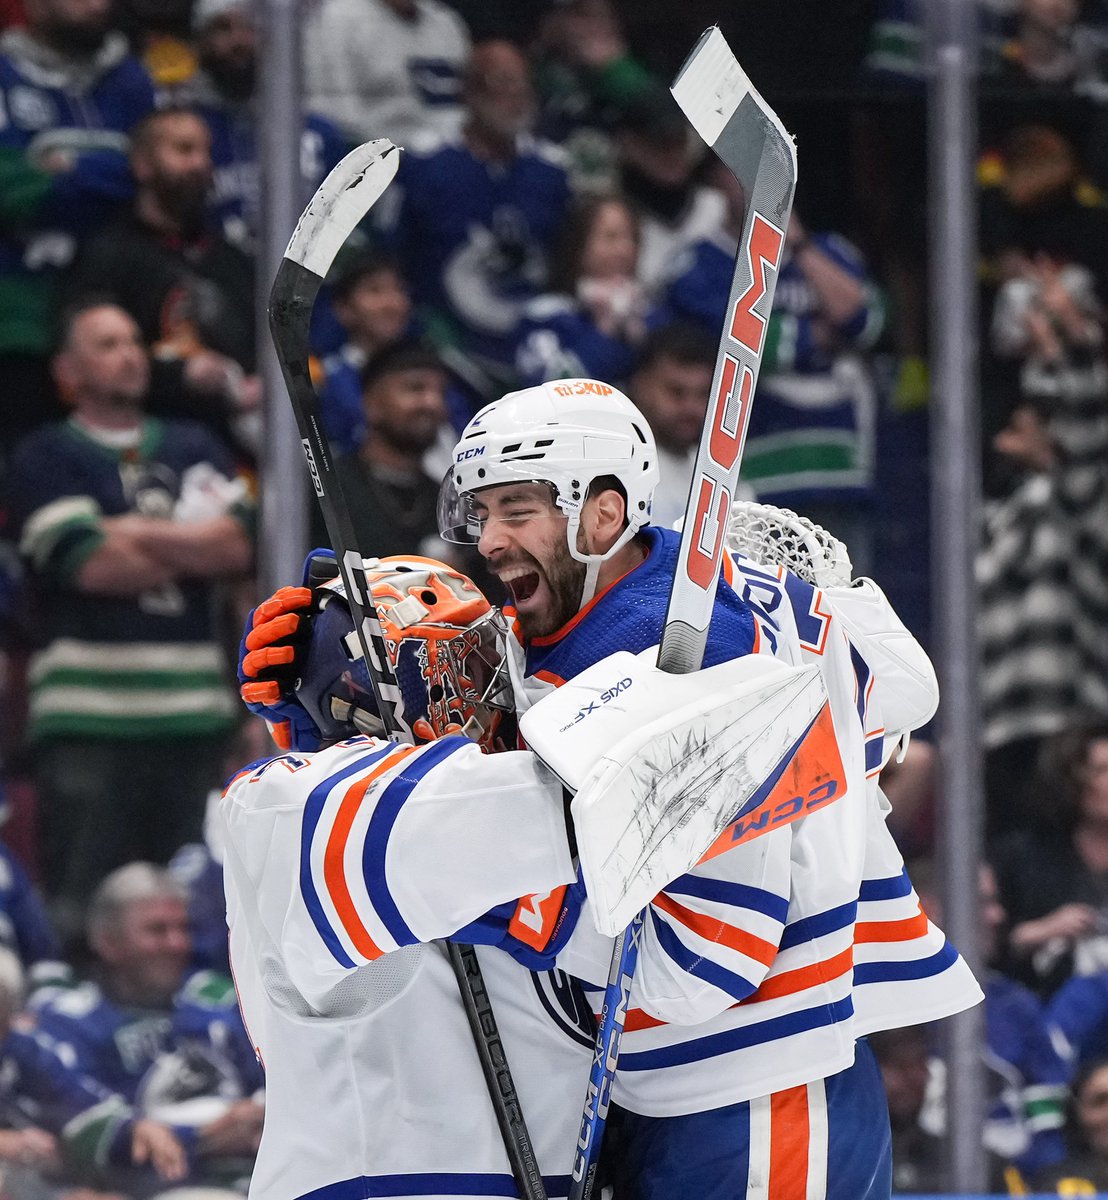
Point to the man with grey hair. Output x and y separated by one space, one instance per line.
50 1112
171 1044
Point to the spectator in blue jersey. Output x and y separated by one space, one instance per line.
223 92
1084 1171
1026 1071
25 928
126 524
671 386
171 1044
472 220
371 303
386 68
593 319
69 92
58 1127
810 445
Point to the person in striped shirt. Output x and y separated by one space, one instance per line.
128 525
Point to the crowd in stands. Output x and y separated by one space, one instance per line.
553 216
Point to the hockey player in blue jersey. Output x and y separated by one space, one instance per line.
555 485
740 986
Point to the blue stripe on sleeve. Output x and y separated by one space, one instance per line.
696 964
761 1032
741 895
861 674
819 925
918 968
382 820
313 810
428 1183
893 888
875 751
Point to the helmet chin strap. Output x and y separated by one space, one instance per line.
593 562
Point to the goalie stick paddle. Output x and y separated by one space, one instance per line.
350 190
724 108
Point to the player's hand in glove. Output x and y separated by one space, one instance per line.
272 653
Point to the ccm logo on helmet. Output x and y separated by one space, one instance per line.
472 452
605 697
731 405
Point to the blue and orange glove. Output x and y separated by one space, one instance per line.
272 653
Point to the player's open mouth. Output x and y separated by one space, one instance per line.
522 582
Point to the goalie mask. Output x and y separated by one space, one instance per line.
445 648
566 433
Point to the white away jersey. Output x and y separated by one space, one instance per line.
336 862
751 965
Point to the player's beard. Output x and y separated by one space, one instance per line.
565 581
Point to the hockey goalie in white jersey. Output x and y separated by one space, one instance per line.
342 864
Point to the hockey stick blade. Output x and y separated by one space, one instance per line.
341 202
724 108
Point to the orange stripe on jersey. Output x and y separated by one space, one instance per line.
785 984
536 918
637 1019
813 778
333 867
714 930
790 982
549 677
891 931
788 1144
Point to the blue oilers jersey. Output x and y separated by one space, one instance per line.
473 237
630 615
751 964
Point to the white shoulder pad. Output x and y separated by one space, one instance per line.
907 689
662 764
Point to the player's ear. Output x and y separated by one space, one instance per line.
604 518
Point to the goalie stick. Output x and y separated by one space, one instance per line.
342 200
723 107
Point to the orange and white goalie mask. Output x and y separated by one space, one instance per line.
445 645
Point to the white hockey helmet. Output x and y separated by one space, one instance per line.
567 433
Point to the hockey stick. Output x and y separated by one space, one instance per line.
723 107
340 203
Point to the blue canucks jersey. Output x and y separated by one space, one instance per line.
121 1047
473 237
235 196
812 424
